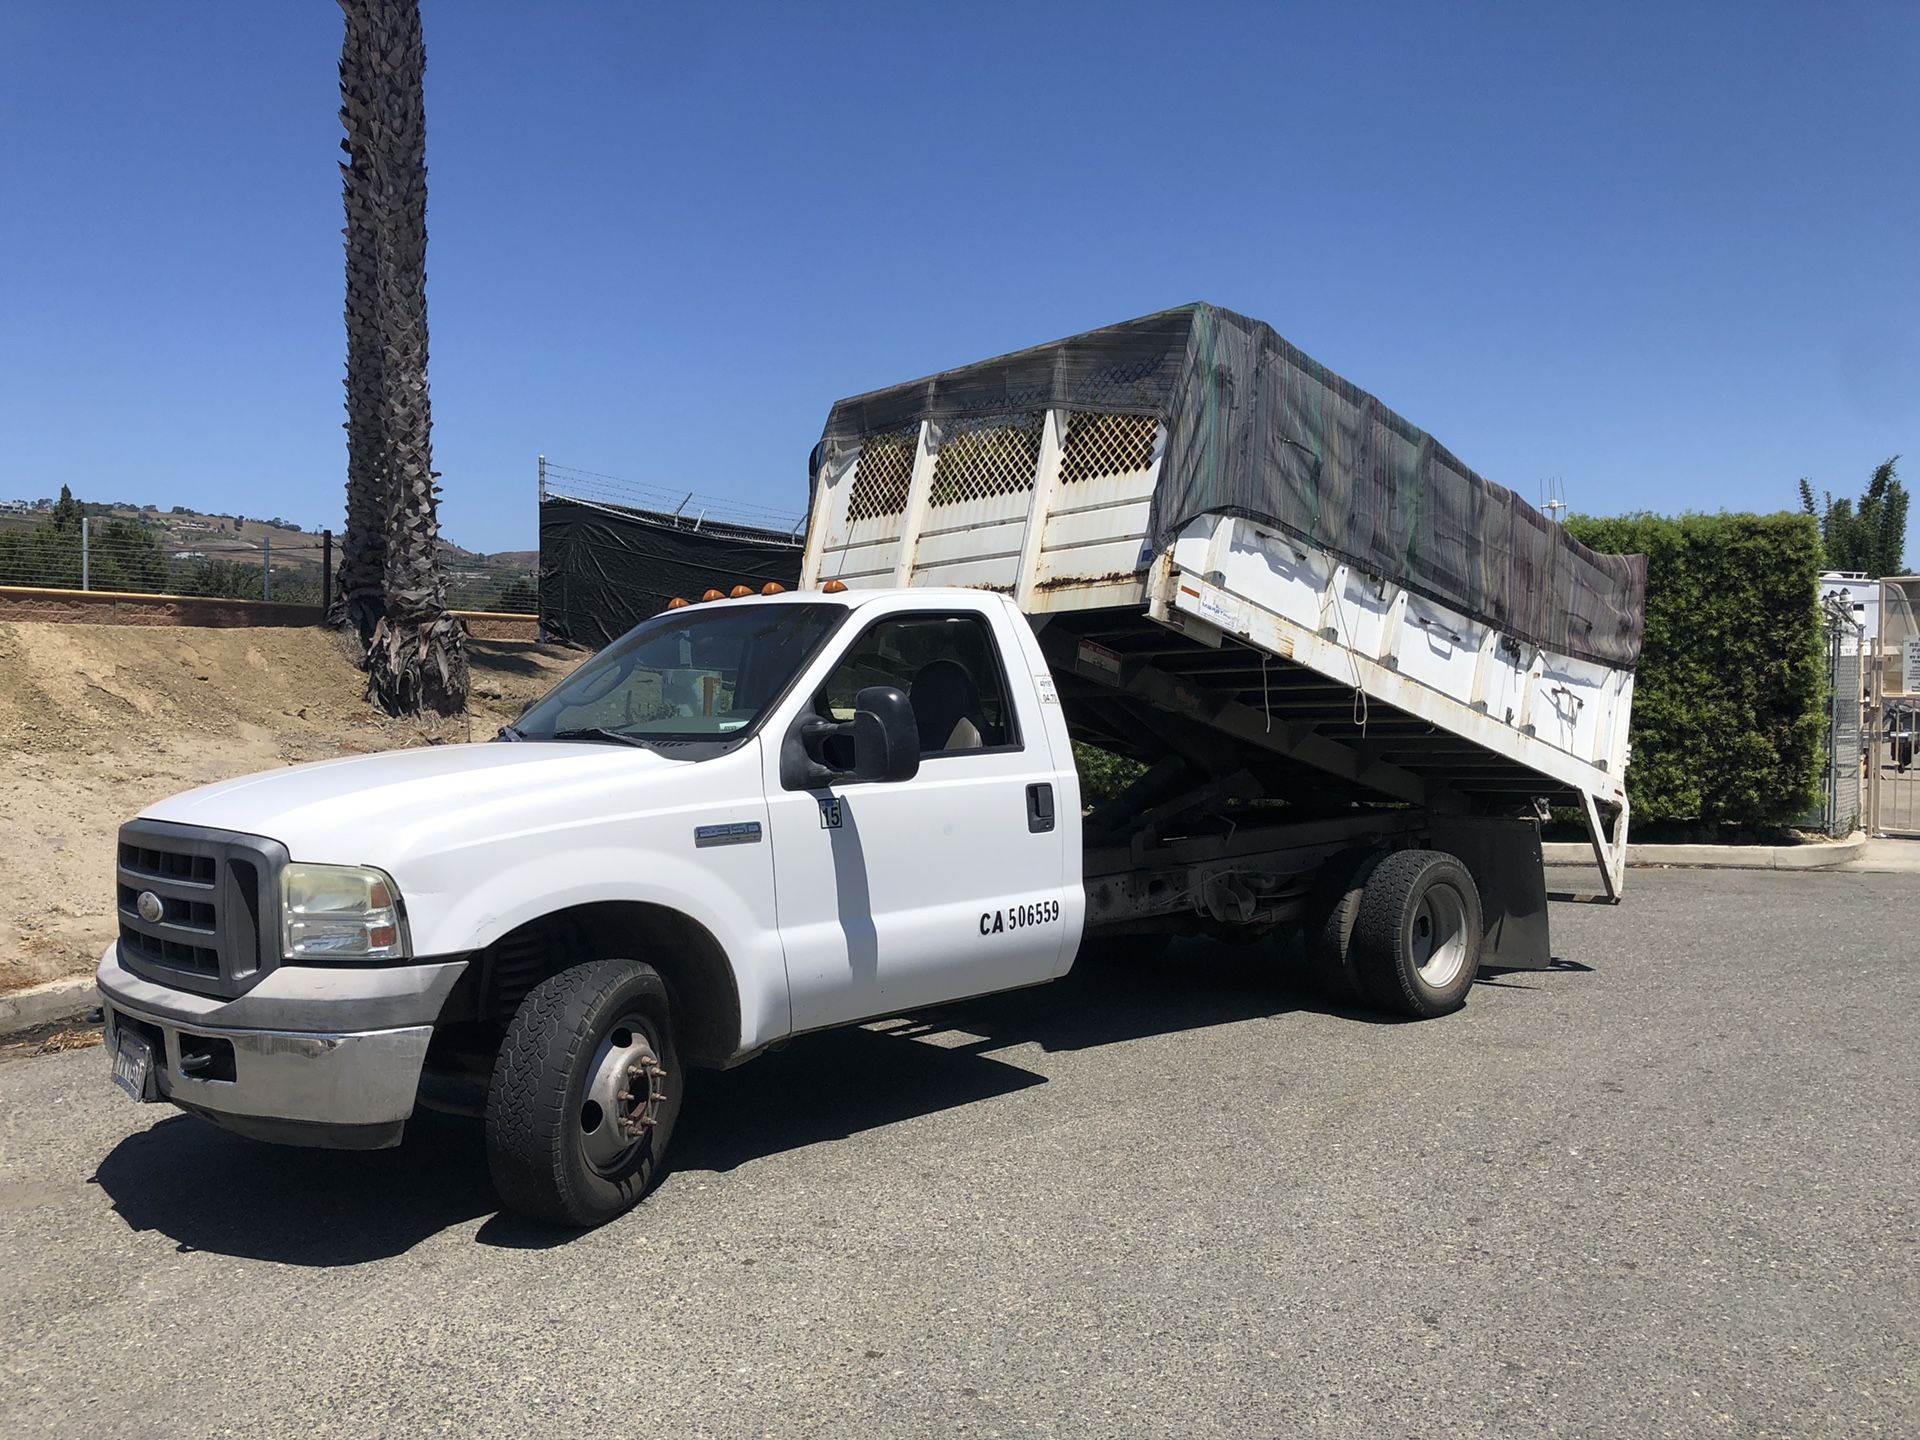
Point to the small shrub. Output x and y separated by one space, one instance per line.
223 579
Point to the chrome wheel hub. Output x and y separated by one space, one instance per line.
625 1090
1440 936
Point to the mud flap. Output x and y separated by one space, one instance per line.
1503 856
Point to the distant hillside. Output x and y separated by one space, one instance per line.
183 529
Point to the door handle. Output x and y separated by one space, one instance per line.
1039 808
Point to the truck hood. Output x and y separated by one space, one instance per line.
371 808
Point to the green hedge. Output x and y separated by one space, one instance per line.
1729 708
1103 774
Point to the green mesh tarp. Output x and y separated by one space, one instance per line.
1256 428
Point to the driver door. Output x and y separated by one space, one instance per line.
896 896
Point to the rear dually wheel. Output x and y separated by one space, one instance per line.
1417 935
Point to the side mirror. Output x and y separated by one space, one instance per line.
886 737
883 738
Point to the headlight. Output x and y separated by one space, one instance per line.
340 912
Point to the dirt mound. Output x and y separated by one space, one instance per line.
97 721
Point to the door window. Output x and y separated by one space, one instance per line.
950 670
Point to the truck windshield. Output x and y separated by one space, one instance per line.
688 674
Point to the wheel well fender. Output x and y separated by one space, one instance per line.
700 979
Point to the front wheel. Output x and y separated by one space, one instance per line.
585 1093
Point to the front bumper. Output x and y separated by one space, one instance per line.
281 1076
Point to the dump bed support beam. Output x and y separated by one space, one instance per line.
1187 602
1227 716
1610 853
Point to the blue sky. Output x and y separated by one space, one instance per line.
1665 253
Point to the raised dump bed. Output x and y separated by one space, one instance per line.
1223 544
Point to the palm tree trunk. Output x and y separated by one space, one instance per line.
359 597
416 657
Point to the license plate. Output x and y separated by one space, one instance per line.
133 1064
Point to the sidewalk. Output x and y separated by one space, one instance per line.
1887 857
1857 854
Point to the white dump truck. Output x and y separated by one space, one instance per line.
1353 674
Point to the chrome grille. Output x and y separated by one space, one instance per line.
212 924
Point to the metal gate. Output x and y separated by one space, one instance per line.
1893 776
1841 801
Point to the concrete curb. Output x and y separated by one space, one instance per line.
57 1000
1819 856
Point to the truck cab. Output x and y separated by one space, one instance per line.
792 811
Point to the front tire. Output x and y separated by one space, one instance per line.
1417 940
585 1093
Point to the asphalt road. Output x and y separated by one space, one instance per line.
1667 1188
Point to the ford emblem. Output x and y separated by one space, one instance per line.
150 906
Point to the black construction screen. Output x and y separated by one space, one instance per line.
604 569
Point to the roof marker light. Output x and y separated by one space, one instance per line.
739 592
773 587
833 587
711 595
678 602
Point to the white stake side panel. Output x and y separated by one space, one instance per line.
1056 543
863 550
1560 717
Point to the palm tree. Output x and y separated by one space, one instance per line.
415 655
359 599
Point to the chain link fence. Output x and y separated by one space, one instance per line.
204 558
134 556
476 583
